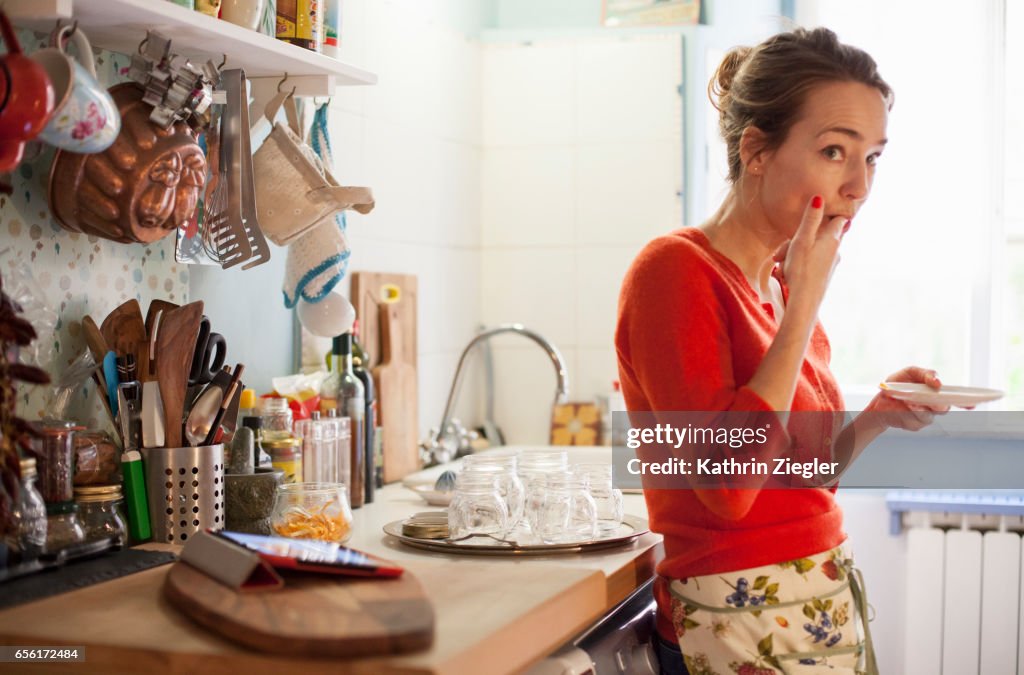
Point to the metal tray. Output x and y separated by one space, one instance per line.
630 530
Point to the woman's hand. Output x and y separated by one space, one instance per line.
809 258
901 414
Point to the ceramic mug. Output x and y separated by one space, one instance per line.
26 99
245 13
85 119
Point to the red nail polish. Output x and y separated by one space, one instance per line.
817 202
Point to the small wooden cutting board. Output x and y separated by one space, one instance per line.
313 615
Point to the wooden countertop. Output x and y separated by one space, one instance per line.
494 614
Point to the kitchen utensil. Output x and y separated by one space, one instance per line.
85 119
111 379
358 617
215 200
395 380
430 494
632 528
125 332
204 408
135 496
152 404
175 347
370 290
445 482
208 358
98 347
141 188
185 489
922 394
220 413
155 307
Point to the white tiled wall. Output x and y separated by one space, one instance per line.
415 139
581 166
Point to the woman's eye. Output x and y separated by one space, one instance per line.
873 159
833 152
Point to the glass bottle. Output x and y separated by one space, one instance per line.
352 404
286 455
101 512
261 458
369 424
29 513
338 433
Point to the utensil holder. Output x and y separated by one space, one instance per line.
185 488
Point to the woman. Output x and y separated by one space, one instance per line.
723 317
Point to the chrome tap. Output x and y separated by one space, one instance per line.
443 443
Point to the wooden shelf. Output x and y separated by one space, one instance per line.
120 25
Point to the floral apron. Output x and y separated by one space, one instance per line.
806 616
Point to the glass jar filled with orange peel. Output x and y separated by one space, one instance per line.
313 511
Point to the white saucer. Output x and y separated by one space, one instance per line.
922 394
429 494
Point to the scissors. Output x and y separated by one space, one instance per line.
208 359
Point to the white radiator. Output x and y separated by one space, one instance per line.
965 583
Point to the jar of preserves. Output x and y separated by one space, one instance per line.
101 512
313 511
286 455
63 528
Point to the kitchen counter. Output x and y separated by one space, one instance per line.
493 614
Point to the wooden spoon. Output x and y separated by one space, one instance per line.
125 333
176 344
155 308
98 346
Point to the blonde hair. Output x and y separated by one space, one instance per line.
765 86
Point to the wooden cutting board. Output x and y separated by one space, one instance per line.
400 433
313 615
369 292
397 402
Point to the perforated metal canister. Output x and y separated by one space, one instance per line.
185 491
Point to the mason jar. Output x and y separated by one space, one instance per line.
101 512
607 499
477 506
510 486
568 514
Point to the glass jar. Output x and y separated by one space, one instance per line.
62 526
286 455
568 514
277 419
477 506
510 486
534 466
54 451
312 511
607 499
101 512
29 513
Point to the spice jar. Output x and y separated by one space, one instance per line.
63 528
101 512
286 455
55 452
29 514
277 419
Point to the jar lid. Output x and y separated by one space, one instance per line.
51 427
97 493
282 443
28 467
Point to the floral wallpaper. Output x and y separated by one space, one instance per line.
76 274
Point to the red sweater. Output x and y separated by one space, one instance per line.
691 333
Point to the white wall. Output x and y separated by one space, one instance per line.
582 162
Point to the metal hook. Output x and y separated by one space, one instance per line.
143 43
318 105
282 82
58 37
223 61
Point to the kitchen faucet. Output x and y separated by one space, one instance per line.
443 443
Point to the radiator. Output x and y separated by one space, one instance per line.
964 583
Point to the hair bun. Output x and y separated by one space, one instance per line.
721 83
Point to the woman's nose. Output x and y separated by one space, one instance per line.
858 182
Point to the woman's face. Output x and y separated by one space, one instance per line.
831 150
